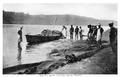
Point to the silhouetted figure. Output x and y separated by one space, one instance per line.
99 35
19 44
95 32
71 32
20 34
113 38
65 28
80 32
90 31
76 32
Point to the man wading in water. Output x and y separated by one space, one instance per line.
20 34
19 44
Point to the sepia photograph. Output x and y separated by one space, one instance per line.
60 38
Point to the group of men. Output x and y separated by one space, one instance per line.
95 34
77 30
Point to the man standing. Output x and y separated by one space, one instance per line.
95 32
64 32
20 35
80 32
76 32
113 38
19 44
99 35
71 32
90 31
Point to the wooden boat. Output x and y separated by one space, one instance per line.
43 37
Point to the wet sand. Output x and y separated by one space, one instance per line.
89 60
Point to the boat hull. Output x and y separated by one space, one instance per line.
36 39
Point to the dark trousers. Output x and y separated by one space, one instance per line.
71 35
76 36
113 45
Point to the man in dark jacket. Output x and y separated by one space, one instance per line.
71 32
76 32
113 38
90 31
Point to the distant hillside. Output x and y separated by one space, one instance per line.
21 18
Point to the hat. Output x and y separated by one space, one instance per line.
111 24
89 26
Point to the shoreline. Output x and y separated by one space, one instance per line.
51 65
81 49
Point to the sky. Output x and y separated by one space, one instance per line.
99 11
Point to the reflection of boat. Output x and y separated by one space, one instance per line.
45 36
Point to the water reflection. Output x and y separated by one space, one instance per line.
19 52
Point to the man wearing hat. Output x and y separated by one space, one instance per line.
113 38
71 32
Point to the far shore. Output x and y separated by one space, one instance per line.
52 24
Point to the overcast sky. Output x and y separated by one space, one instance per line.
98 11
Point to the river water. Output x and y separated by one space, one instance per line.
35 53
